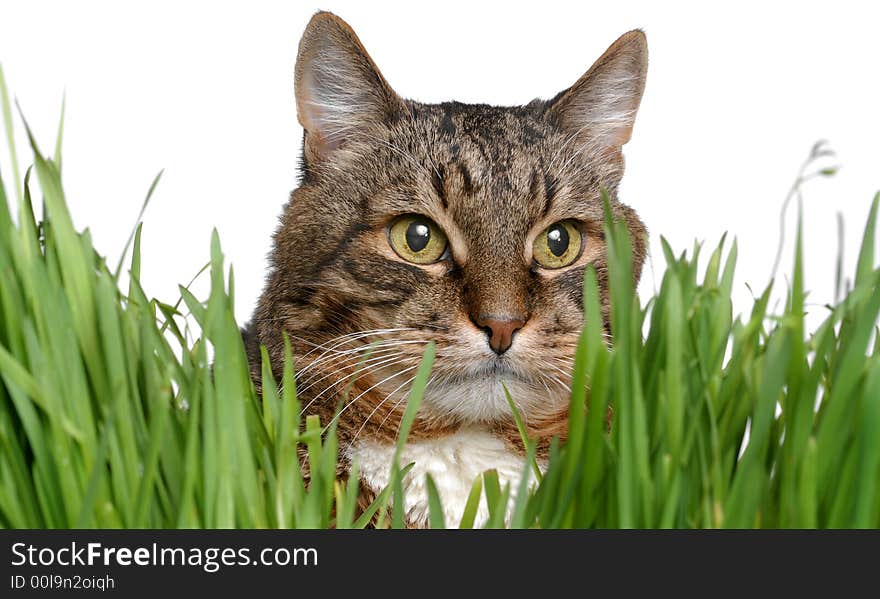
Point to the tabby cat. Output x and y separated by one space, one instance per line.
467 225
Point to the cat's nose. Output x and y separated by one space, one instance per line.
500 330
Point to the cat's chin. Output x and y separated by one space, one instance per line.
478 395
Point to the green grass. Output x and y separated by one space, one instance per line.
110 417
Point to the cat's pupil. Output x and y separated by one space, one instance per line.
418 234
557 240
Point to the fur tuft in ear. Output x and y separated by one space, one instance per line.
339 90
601 107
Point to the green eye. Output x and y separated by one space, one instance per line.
417 239
558 245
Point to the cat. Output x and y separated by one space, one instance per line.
467 225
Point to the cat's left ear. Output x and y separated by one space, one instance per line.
339 90
601 106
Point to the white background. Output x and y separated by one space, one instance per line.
735 98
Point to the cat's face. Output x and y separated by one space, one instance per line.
468 225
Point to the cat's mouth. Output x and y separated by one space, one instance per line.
499 369
477 386
479 393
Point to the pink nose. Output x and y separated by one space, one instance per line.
500 330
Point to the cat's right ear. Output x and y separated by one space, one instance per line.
600 108
339 91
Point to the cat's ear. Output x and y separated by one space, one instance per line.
339 90
601 107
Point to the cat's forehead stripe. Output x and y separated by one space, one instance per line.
550 184
467 181
438 179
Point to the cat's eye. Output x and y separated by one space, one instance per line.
558 245
417 239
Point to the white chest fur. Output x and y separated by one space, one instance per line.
454 462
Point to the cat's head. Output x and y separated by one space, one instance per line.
468 225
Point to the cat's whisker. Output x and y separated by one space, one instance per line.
328 347
337 360
358 353
404 398
394 408
359 363
352 402
360 333
379 405
543 381
352 377
569 364
360 348
560 370
392 361
565 387
559 381
363 348
343 339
